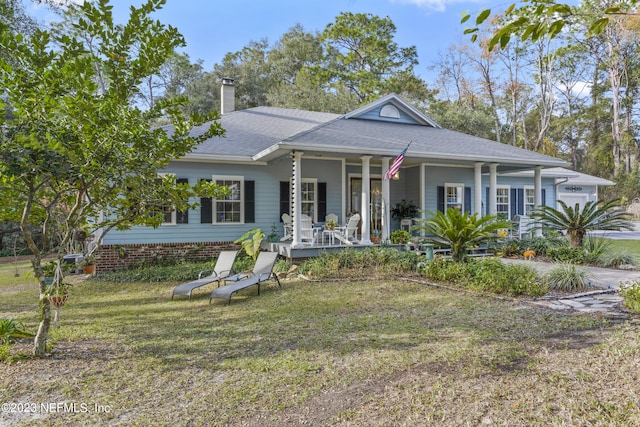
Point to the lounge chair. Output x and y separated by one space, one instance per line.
287 227
220 271
262 271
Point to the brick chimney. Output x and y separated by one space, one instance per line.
227 96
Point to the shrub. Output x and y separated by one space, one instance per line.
616 259
565 276
487 275
400 236
371 260
11 331
567 254
630 292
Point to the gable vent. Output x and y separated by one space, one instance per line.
390 111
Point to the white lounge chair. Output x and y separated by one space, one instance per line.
307 232
222 270
261 272
347 234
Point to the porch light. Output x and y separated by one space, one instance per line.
396 176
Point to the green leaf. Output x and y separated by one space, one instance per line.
482 16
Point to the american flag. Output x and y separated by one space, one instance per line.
395 166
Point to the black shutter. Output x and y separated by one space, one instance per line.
544 197
285 197
249 201
182 217
513 202
441 199
322 200
467 199
206 208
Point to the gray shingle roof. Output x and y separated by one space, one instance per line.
266 133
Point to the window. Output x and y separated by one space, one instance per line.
308 198
170 214
502 202
453 196
230 209
529 200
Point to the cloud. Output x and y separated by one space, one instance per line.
438 5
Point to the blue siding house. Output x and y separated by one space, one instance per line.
278 160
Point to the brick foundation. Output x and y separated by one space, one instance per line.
119 257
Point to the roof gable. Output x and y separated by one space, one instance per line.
392 108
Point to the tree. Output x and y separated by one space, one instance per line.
577 222
460 230
536 19
77 152
360 53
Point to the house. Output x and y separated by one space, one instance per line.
279 160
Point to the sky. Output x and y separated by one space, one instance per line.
213 28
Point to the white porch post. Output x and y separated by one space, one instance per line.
493 185
296 211
477 183
537 190
366 201
386 200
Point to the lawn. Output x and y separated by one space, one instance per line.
339 353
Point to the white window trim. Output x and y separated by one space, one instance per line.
174 212
315 196
214 179
508 188
448 185
533 205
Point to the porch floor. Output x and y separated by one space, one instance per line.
310 251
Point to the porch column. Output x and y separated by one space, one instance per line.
386 201
537 191
493 185
365 211
477 181
296 211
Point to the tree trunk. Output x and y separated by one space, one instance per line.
40 341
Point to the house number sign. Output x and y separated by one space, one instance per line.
573 188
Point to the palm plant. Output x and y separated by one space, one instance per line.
460 230
577 222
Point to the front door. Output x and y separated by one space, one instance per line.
376 203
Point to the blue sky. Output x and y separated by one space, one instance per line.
212 27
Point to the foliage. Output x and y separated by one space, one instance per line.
331 224
11 331
566 277
368 261
486 275
537 19
400 236
404 209
459 230
614 259
251 241
75 145
630 292
576 222
567 254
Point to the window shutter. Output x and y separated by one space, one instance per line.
322 200
206 208
467 199
249 201
285 197
441 199
182 217
544 197
520 201
513 202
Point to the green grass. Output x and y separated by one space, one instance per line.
387 352
631 246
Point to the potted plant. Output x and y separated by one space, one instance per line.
404 209
89 264
58 294
375 236
273 236
331 225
